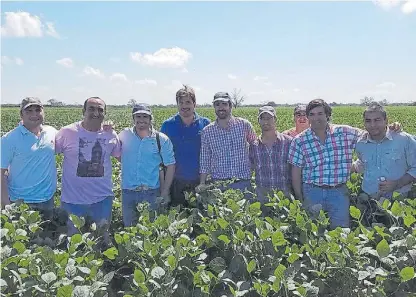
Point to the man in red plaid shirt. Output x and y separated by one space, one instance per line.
225 147
269 156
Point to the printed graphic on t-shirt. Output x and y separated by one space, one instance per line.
91 158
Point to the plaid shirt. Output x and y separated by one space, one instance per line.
224 152
270 164
326 163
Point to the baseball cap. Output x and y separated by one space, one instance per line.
300 108
142 108
267 109
29 101
222 96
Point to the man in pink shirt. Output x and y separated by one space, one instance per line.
87 188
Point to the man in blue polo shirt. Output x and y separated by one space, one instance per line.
184 130
28 158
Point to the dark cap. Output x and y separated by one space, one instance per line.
142 108
221 96
300 108
267 109
29 101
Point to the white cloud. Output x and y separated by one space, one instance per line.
119 77
146 82
232 76
23 24
165 58
280 91
387 4
255 93
184 70
5 60
296 90
66 62
387 84
409 6
51 31
268 83
257 78
174 85
88 70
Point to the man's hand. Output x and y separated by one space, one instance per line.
163 201
396 127
108 126
201 188
387 186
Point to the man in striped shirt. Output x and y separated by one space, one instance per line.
322 159
269 155
225 147
300 119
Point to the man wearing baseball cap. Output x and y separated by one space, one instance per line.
144 150
269 156
300 119
225 147
28 157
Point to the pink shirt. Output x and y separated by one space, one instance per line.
87 168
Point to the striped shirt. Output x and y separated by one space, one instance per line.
270 163
291 132
326 163
225 151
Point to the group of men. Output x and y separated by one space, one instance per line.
313 161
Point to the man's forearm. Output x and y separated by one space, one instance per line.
4 191
170 172
297 182
405 180
203 178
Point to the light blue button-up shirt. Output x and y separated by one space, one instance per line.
391 158
31 165
140 159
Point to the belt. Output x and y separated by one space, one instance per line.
328 187
141 188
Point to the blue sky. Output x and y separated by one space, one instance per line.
285 52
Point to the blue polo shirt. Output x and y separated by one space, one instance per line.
31 164
186 142
140 159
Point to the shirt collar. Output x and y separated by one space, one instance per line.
152 132
278 137
230 122
179 119
25 131
367 138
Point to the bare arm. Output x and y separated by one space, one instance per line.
4 191
297 182
170 172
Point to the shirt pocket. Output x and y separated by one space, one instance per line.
391 157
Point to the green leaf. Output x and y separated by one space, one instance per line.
240 235
48 277
19 246
409 220
76 238
355 212
217 264
292 258
383 248
407 273
251 266
85 270
224 238
254 207
157 272
279 271
172 261
65 291
118 238
278 239
396 209
111 253
223 223
139 276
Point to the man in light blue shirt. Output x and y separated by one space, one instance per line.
28 158
386 158
140 165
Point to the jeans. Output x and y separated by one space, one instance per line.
178 189
335 201
99 212
131 198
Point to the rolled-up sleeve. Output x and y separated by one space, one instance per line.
205 155
295 156
251 134
411 156
168 153
117 147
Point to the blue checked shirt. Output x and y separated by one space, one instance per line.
225 152
326 163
